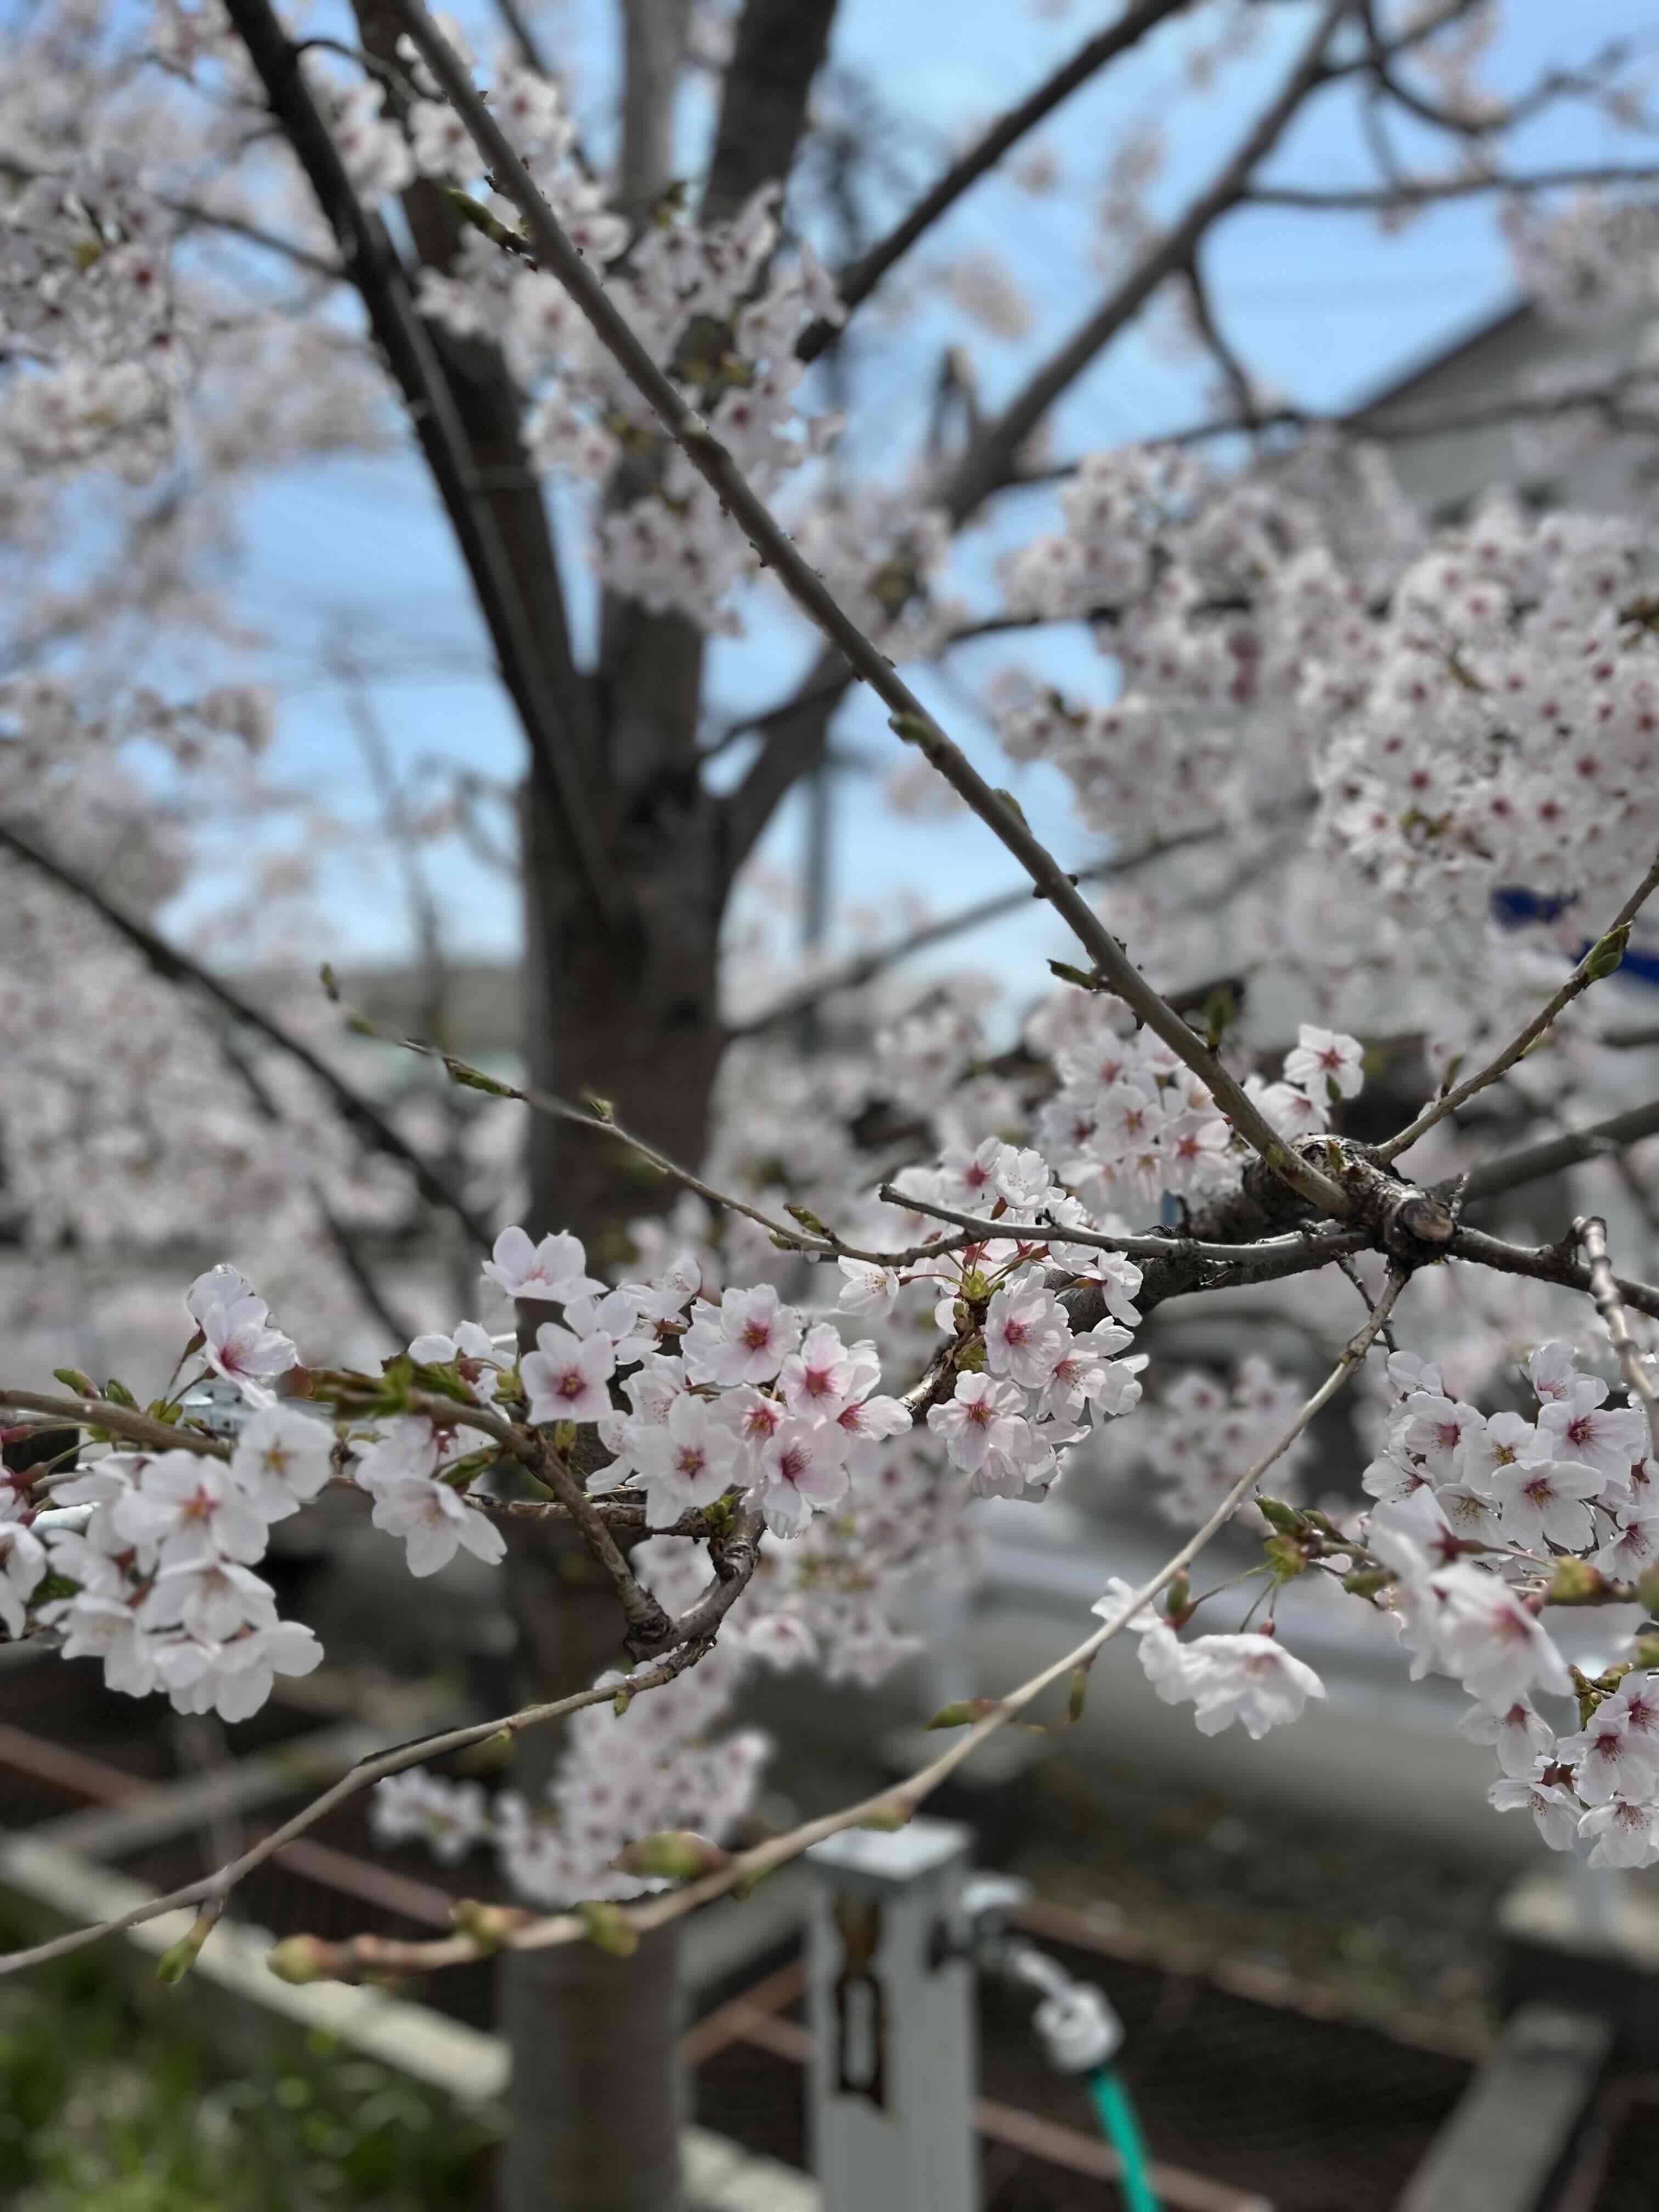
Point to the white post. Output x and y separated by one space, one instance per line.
895 2060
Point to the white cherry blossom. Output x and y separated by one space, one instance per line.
568 1377
435 1524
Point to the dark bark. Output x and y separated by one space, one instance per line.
593 2129
597 2101
778 49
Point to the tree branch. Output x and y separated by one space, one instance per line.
177 967
1602 960
1591 1232
1421 191
857 282
864 966
1494 1177
1546 1263
550 723
218 1886
777 551
895 1805
990 461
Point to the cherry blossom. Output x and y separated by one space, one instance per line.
1322 1057
553 1269
1553 1807
746 1341
803 1470
1621 1833
687 1461
435 1524
567 1375
1605 1438
981 1416
282 1460
188 1509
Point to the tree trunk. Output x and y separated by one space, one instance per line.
626 1008
596 2103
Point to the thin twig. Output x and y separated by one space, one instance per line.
1591 1232
177 967
984 1230
894 1806
120 1421
367 1771
1602 960
857 282
1418 192
864 966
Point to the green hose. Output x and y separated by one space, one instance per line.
1123 2131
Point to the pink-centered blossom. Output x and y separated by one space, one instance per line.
555 1269
568 1377
982 1415
435 1524
802 1471
1325 1056
746 1340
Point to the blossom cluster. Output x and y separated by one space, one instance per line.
154 1574
1468 716
714 303
1129 1123
1473 1510
749 1396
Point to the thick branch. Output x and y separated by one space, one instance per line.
776 53
549 722
1546 1263
366 1119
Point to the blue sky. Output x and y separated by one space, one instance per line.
1321 306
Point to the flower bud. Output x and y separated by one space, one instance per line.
488 1925
300 1959
1365 1581
176 1962
962 1712
1575 1582
672 1855
1286 1558
1277 1515
608 1929
1605 955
